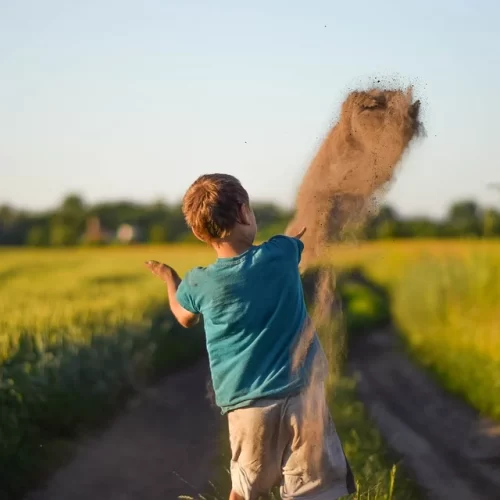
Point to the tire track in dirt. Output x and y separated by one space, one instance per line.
162 446
452 451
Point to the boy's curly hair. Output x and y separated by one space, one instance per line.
211 205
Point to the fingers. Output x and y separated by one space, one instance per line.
155 266
301 233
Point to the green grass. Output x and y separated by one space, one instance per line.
446 303
364 308
79 328
78 331
448 310
377 473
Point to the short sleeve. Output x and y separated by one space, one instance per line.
185 297
289 245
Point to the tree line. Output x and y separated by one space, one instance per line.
75 222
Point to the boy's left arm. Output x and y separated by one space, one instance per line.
170 277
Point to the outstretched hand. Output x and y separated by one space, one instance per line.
172 280
163 271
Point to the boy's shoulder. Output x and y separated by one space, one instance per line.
283 239
286 244
191 288
195 274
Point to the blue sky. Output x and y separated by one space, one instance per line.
122 99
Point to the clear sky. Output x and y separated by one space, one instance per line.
134 99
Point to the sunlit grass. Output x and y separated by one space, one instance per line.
449 311
63 304
446 302
79 329
75 294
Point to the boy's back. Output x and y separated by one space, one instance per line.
253 309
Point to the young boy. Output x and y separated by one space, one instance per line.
254 314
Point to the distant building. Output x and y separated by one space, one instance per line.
95 233
127 233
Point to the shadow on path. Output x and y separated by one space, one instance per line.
162 446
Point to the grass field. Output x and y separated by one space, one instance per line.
446 304
79 328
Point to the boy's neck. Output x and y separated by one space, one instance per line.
227 249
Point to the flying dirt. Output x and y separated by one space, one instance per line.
357 158
355 162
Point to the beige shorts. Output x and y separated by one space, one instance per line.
291 443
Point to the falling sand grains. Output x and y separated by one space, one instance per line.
354 164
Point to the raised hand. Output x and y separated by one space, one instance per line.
163 271
301 233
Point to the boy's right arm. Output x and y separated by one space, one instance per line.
170 277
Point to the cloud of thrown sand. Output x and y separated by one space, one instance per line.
355 162
357 158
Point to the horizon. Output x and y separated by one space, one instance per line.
290 207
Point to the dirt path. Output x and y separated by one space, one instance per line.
452 451
162 446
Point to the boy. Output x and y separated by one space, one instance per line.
254 313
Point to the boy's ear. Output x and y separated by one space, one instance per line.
245 217
198 237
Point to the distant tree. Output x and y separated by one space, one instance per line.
464 219
161 222
188 237
61 234
37 236
7 215
69 221
73 204
14 227
266 232
177 228
491 223
157 233
384 225
387 229
269 213
113 214
420 227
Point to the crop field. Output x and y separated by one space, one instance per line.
446 304
80 329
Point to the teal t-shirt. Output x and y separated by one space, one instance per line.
253 310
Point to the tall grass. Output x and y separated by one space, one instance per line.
77 327
449 311
78 331
446 302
